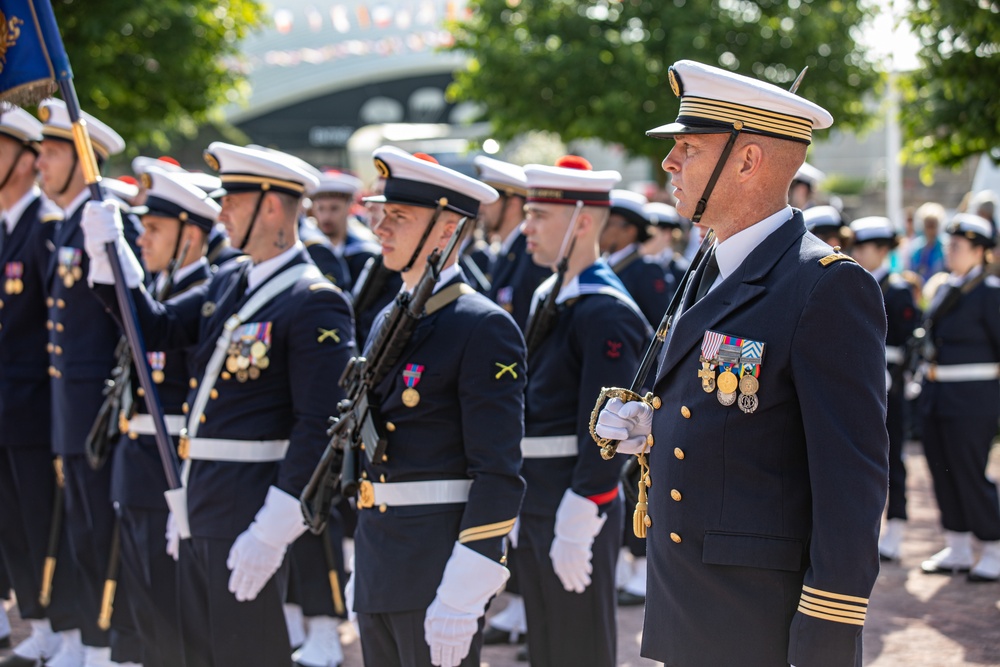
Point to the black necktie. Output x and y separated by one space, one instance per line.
4 236
708 276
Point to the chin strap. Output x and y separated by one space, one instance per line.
700 208
427 232
69 175
13 165
253 221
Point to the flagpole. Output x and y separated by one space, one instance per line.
63 74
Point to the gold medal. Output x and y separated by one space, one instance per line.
158 376
231 365
254 372
68 281
61 271
242 363
18 286
726 398
749 403
258 349
263 362
727 382
749 385
707 375
8 286
242 375
411 397
77 273
225 375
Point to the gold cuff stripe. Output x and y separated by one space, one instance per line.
756 118
835 596
834 605
831 612
828 617
244 178
60 133
498 529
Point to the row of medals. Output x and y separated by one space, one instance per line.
13 286
238 362
727 384
69 274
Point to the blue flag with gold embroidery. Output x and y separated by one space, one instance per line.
32 57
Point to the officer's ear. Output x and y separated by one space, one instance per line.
448 222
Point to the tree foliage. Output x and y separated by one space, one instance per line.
950 106
598 68
151 68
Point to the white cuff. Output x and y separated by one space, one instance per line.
470 580
100 267
279 522
177 502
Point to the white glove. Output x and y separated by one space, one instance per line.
515 531
628 423
257 553
577 524
173 538
470 580
102 224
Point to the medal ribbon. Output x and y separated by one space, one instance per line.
751 354
710 346
729 359
14 270
411 375
157 360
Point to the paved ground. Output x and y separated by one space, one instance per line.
914 620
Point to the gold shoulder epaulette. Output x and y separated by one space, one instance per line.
836 257
324 285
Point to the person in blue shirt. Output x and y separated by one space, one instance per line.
927 253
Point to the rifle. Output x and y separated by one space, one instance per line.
609 447
111 579
545 316
359 424
118 406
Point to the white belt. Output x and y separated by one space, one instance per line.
961 372
396 494
143 424
549 447
893 355
241 451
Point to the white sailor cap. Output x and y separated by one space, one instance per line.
56 125
121 188
663 215
822 217
172 195
972 227
335 182
630 205
873 228
418 180
507 178
570 181
809 175
715 101
142 163
258 169
206 182
20 125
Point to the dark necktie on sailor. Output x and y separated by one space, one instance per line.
708 276
4 234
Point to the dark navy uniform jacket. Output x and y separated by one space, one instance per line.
514 279
366 318
82 336
675 265
967 334
765 525
323 255
468 424
902 317
137 478
219 249
597 342
310 342
24 380
647 283
476 256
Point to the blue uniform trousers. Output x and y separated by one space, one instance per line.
27 483
218 630
309 581
957 449
151 577
556 615
397 640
